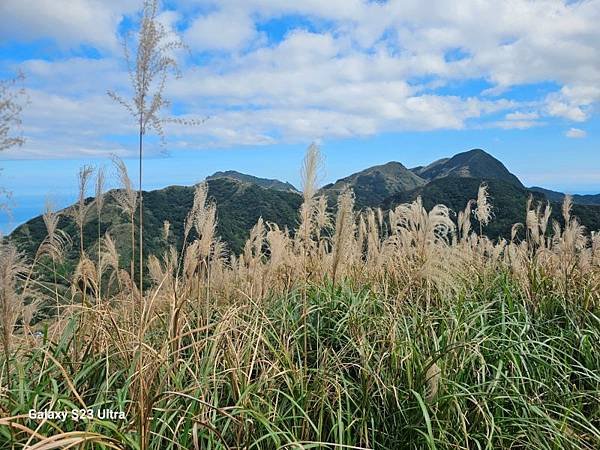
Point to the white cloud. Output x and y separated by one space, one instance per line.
520 115
57 126
573 102
362 68
519 120
575 133
69 22
221 30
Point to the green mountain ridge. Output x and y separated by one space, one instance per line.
242 199
471 164
266 183
371 186
588 199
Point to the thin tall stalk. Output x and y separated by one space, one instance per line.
309 173
149 66
100 178
81 210
11 298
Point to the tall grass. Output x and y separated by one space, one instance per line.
150 60
366 329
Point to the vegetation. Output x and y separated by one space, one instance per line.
373 185
241 199
239 206
11 106
471 164
554 196
509 202
357 330
262 182
149 60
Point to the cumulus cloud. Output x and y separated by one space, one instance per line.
57 126
221 30
350 68
70 23
575 133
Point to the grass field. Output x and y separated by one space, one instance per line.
357 330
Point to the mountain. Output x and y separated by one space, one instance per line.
472 164
242 199
508 200
559 196
371 186
425 170
262 182
239 206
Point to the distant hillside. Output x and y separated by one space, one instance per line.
241 199
474 164
509 202
262 182
371 186
239 206
559 196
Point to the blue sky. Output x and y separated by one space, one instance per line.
406 80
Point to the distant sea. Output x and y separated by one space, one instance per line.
25 207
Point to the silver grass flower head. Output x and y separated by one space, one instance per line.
483 212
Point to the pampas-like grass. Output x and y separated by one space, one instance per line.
389 331
344 237
483 212
464 221
308 211
12 267
82 208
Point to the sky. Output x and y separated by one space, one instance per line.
370 81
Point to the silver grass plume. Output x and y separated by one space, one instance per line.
126 197
567 205
345 228
80 211
149 68
12 268
483 212
196 215
309 175
56 240
464 220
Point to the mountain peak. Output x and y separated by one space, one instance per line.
476 151
475 163
374 184
266 183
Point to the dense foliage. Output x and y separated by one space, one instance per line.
484 369
359 330
239 206
508 201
